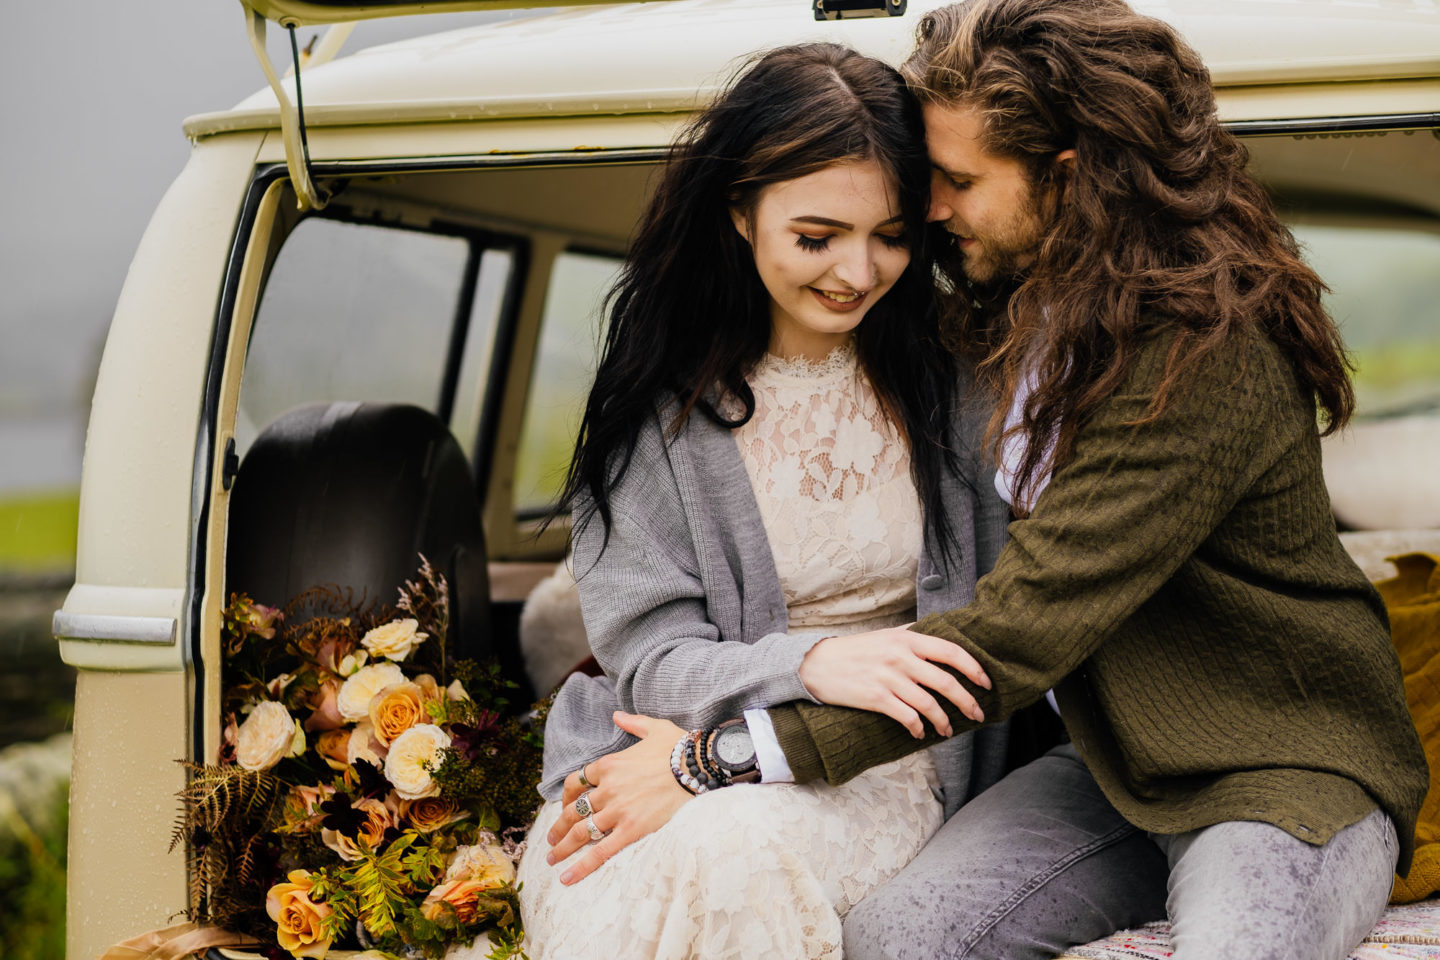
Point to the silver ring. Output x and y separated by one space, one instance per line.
584 780
583 807
595 832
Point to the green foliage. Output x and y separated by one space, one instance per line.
32 882
38 532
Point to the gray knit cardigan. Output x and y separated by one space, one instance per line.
684 610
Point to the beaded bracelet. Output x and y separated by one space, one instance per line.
693 767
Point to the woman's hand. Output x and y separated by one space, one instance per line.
634 794
887 671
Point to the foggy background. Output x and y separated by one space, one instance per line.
95 96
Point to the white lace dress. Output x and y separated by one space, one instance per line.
770 869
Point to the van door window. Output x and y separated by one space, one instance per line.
564 367
369 313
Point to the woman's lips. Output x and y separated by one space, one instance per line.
835 305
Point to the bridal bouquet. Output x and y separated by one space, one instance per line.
370 794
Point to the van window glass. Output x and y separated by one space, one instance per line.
564 366
352 312
496 267
1385 295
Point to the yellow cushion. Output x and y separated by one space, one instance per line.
1413 599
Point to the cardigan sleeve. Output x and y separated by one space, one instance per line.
647 617
1134 501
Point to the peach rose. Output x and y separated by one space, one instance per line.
378 819
299 920
326 715
410 756
353 700
394 640
429 814
268 736
395 709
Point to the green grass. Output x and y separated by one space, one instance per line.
37 531
32 884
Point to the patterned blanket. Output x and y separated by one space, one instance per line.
1409 932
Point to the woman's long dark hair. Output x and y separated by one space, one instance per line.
689 316
1157 221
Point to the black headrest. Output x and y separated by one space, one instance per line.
351 494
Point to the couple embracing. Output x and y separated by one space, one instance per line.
923 400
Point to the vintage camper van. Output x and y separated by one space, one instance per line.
436 232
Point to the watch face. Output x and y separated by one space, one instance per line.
734 746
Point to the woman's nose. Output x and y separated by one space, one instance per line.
857 270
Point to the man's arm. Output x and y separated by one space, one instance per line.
1117 520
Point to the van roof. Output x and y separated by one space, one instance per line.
666 57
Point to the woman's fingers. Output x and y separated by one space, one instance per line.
579 835
952 655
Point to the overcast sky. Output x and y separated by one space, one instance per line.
95 92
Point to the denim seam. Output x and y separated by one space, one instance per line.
1032 886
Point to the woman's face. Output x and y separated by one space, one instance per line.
827 246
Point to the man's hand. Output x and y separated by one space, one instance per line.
633 795
888 671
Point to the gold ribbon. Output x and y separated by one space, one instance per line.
173 943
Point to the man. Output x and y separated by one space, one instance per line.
1242 759
1180 580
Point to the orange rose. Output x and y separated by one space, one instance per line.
429 814
395 709
298 918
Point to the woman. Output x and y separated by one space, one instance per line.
1243 760
769 461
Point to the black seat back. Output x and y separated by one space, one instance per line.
350 494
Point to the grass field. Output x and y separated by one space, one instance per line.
37 531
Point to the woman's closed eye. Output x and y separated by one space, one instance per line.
895 241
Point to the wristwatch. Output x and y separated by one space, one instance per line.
734 752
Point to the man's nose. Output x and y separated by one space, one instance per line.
939 209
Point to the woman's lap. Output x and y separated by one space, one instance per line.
752 867
1042 862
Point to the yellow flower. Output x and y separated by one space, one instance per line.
298 919
395 709
484 862
353 700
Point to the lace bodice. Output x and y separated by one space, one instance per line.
832 480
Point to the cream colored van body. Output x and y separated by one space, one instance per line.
544 130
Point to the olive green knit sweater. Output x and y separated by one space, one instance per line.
1217 655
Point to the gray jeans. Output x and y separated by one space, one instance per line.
1042 862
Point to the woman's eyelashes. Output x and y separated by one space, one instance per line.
818 244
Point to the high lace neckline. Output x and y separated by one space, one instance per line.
833 366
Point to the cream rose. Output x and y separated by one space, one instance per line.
364 746
353 700
396 709
378 819
268 736
483 862
394 640
410 754
298 918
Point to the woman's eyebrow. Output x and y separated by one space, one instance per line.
827 222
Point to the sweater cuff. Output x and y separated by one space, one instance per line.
799 746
